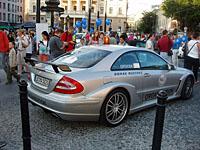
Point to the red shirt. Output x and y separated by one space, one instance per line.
67 37
4 42
165 43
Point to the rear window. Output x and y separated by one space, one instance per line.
83 58
79 36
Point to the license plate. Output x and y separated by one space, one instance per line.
42 81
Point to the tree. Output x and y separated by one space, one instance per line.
147 22
186 12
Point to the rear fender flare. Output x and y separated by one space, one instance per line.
103 91
182 80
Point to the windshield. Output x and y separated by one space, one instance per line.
79 36
83 58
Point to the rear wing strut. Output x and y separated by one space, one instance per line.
55 67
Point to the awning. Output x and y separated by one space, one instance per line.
26 25
6 27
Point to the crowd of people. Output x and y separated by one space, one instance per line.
15 46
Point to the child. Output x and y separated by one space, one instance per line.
11 64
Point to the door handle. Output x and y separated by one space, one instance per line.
147 75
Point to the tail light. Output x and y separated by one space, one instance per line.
67 85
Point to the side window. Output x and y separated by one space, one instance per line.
127 61
150 61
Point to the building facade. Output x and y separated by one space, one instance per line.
11 12
116 10
30 11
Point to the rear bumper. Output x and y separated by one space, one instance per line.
80 108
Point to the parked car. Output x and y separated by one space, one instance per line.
79 36
137 43
106 83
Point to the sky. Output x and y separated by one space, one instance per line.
136 7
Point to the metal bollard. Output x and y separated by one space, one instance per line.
26 135
159 121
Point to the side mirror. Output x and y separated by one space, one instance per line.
171 67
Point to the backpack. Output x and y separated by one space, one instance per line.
182 51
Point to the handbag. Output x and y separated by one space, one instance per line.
170 52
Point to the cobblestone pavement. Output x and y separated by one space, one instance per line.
181 129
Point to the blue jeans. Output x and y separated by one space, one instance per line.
3 60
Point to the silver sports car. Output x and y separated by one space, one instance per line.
105 83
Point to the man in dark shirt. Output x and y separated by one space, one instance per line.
56 45
165 44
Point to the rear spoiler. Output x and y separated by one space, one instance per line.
55 67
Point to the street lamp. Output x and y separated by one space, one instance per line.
105 17
89 15
38 12
52 6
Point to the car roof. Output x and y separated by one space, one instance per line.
111 48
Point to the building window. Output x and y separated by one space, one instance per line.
0 16
65 7
83 8
42 18
17 18
120 11
110 10
4 6
17 8
33 18
0 4
101 10
20 9
8 17
8 7
74 8
4 17
13 18
34 8
92 9
13 8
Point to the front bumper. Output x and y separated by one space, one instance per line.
81 108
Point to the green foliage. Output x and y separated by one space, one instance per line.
147 22
187 12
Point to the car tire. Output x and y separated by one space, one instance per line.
187 89
115 108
